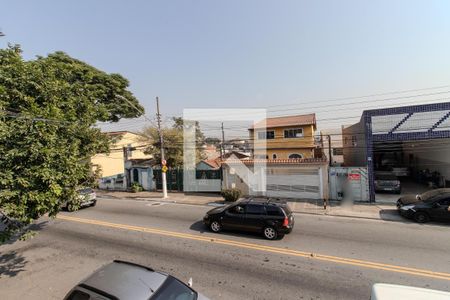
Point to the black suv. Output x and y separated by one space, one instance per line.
272 218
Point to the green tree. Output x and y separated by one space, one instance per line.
48 110
173 142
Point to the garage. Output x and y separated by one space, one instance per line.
406 149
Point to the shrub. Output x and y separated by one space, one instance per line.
231 195
136 187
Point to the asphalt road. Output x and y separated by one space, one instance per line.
323 258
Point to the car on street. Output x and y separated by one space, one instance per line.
431 205
86 197
387 182
129 281
270 217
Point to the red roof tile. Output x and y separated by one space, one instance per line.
309 119
279 161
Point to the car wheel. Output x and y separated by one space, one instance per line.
94 203
270 233
421 217
215 226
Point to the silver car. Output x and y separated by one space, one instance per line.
86 197
129 281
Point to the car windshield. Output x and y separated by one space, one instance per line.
172 289
385 177
428 195
85 191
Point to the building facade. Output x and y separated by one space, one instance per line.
415 138
112 163
290 137
332 145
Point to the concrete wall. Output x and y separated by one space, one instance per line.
354 144
281 174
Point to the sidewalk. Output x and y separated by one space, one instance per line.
385 212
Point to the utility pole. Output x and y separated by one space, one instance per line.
329 150
222 147
161 144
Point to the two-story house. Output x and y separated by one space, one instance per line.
289 137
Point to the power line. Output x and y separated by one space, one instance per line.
367 96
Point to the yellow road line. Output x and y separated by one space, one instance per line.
328 258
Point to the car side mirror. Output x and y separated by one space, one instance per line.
418 197
189 283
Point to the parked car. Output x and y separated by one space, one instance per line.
129 281
86 196
383 291
431 205
387 182
273 218
400 171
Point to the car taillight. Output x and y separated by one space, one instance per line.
285 222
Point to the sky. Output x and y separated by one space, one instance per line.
291 57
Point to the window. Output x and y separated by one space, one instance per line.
444 202
293 133
172 289
236 210
338 151
273 211
274 156
79 295
263 135
295 156
254 209
354 140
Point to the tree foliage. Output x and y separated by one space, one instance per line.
48 109
173 142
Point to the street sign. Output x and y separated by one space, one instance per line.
164 169
354 176
163 162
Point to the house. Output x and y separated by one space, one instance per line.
331 140
113 163
210 151
140 170
289 137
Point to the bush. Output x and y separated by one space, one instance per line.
136 187
231 195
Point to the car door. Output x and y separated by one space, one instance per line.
232 217
255 215
441 209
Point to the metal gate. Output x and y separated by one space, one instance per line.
300 183
349 183
174 179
